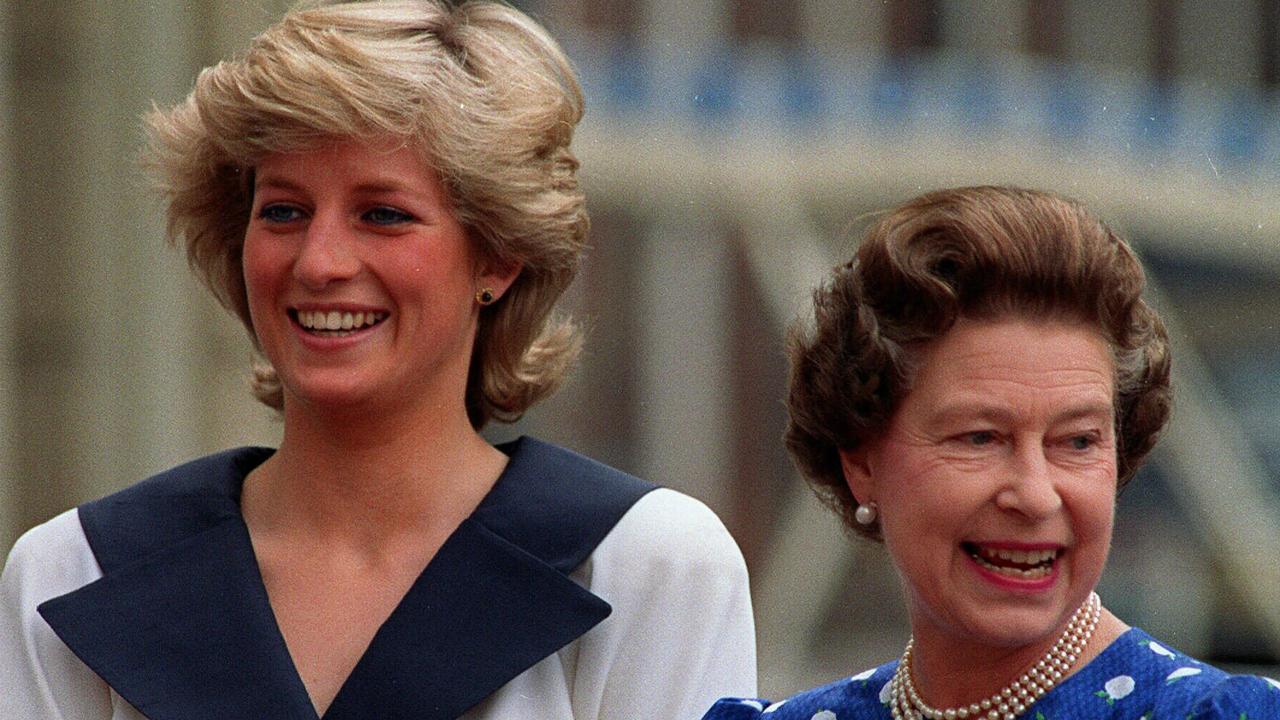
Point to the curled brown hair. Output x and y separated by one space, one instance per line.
976 252
482 92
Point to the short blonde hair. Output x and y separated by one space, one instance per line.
481 90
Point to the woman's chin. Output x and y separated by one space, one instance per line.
1013 629
997 615
329 394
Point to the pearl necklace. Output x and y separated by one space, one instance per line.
1014 699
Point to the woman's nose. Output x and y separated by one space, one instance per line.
327 254
1030 488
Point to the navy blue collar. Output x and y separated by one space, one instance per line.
181 627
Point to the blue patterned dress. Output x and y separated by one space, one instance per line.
1135 678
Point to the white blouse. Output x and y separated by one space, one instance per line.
680 634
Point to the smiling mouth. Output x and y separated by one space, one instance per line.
335 323
1017 564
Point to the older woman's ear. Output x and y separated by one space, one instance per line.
856 465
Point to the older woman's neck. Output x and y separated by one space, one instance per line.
949 673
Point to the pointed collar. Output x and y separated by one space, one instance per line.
181 627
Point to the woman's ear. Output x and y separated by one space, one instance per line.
498 277
856 465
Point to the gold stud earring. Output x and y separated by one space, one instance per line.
485 296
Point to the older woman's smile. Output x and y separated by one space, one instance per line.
1013 561
1007 565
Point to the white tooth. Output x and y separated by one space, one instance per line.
358 321
1018 556
347 321
307 318
334 320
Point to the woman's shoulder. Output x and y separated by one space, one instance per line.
1232 697
39 675
168 507
634 520
860 697
1139 668
674 525
49 559
1190 688
672 546
77 546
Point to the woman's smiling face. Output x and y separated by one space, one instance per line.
361 282
996 480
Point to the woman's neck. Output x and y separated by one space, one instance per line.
950 673
363 478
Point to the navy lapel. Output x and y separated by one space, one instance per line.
482 612
555 503
186 633
180 624
497 597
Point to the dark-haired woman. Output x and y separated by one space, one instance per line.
981 380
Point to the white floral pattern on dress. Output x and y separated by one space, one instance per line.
775 706
1117 688
1181 673
1134 678
754 704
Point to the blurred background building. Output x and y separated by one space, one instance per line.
731 151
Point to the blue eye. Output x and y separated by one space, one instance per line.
1081 442
981 437
387 216
279 213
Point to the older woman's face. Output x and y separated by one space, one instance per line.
996 480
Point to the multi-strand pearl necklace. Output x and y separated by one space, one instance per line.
1013 699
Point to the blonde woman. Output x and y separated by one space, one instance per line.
384 194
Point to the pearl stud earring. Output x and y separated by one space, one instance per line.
865 514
